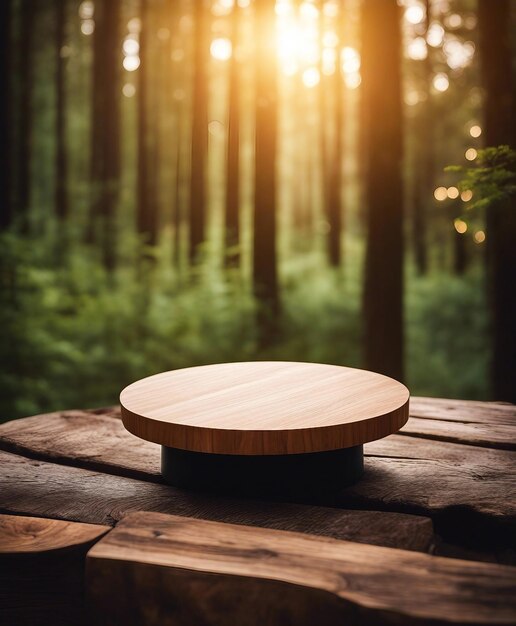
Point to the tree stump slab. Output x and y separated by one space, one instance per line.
443 485
42 570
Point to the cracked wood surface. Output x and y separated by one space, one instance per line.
39 488
437 466
190 571
453 462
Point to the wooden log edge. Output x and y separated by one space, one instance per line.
202 572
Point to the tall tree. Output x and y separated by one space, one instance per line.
499 129
232 212
335 173
324 88
105 129
26 78
174 80
265 278
146 210
423 157
199 151
61 181
460 258
383 152
6 213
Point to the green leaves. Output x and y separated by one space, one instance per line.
492 179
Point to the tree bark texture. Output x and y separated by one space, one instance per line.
265 278
497 77
105 131
199 150
383 136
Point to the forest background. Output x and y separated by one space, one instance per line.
189 182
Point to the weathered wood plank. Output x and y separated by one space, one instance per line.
43 489
469 491
464 411
94 440
42 570
470 433
182 571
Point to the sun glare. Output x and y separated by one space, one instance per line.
307 45
311 77
221 49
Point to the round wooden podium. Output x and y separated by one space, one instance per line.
270 428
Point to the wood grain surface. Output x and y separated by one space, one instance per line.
32 535
453 462
42 570
468 490
182 571
267 407
44 489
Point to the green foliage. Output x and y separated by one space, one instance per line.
73 336
492 179
447 338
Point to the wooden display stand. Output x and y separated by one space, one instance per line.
264 428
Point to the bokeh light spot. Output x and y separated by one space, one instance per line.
475 131
221 49
460 226
441 193
131 63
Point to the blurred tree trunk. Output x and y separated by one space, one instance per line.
335 171
199 133
105 129
460 255
324 88
460 241
301 165
6 14
383 148
26 78
175 80
232 213
177 213
61 182
146 211
424 175
497 77
265 279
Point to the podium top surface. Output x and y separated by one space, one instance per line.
264 407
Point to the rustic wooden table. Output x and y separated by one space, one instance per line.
426 537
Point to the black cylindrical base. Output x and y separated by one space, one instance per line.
290 476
